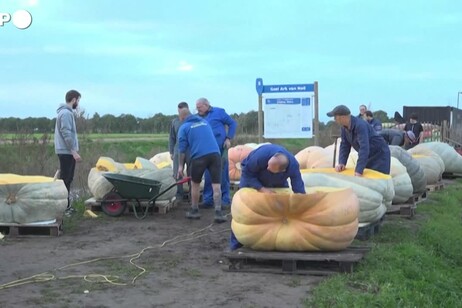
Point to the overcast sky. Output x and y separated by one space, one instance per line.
143 57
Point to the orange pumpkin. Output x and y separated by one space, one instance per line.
314 157
295 222
235 156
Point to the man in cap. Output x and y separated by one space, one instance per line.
373 152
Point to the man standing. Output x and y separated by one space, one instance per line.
66 142
224 128
173 148
373 151
195 135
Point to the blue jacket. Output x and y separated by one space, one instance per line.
218 118
373 151
196 135
255 173
376 124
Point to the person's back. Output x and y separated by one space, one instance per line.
65 137
255 173
393 136
196 134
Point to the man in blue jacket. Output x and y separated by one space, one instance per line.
269 166
195 136
373 151
224 128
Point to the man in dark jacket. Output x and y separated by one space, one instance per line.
224 128
373 151
195 136
414 132
269 166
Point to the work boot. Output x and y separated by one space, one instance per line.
193 214
219 217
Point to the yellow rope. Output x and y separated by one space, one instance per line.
111 279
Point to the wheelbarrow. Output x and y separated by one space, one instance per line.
135 190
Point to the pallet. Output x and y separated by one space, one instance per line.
451 175
404 210
417 198
299 263
233 186
24 230
435 187
160 207
366 231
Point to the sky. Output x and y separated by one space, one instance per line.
143 57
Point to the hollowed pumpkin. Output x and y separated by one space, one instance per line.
295 222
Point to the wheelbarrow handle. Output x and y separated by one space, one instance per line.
182 181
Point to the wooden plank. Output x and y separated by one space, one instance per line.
435 187
300 263
349 255
32 230
451 175
404 210
365 232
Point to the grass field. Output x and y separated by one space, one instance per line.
413 263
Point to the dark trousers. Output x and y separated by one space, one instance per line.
67 168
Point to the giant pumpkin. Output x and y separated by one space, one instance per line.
235 156
430 162
26 199
452 160
314 157
416 173
295 222
374 189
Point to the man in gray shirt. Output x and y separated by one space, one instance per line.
66 141
173 148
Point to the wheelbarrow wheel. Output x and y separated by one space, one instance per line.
113 204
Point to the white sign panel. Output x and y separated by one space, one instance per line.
289 117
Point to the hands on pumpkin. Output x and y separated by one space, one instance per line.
358 174
266 190
340 167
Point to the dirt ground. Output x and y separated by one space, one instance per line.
182 259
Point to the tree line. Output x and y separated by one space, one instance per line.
127 123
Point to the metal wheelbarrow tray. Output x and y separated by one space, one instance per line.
131 188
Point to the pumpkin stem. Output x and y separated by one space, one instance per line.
11 198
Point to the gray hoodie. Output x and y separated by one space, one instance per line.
65 131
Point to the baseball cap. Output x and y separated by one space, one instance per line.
339 110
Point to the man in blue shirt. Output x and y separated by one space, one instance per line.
224 128
373 151
269 166
195 136
375 123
